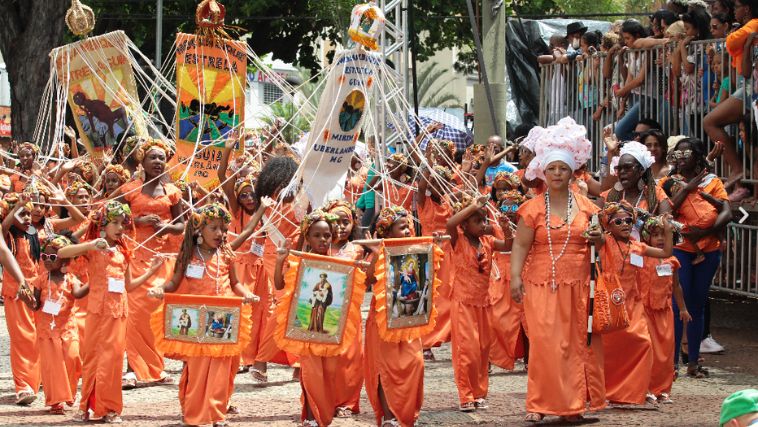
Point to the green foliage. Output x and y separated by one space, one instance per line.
432 87
295 125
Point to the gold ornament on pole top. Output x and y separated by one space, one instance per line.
209 18
80 19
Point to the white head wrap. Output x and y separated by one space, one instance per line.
531 139
636 150
673 140
566 141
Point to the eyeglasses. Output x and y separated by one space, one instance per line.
625 168
246 196
51 257
508 208
618 221
680 154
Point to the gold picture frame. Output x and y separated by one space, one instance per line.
410 276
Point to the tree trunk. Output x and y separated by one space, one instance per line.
29 29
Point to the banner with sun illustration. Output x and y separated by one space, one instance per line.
102 92
210 86
341 111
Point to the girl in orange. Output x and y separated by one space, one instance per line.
472 248
57 333
628 352
110 278
157 213
41 221
658 280
394 372
204 267
550 271
22 332
398 190
27 155
113 177
348 379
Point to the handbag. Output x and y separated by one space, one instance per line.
609 311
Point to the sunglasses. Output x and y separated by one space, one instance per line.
50 257
680 154
618 221
508 208
625 168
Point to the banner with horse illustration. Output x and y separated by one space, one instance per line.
102 92
210 86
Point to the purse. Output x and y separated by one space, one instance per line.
609 312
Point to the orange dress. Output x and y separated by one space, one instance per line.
507 316
628 352
207 383
143 357
58 341
399 195
398 368
656 287
470 316
565 376
19 319
105 325
433 218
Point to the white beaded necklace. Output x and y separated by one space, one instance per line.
554 259
205 270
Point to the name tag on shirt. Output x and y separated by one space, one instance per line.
256 249
195 271
116 286
664 270
51 307
636 260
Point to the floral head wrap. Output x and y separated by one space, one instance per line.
155 144
35 188
109 212
511 180
652 224
201 217
388 217
399 158
75 186
340 206
34 148
131 146
11 199
181 184
534 135
464 200
445 146
636 150
514 197
57 241
87 170
443 172
242 183
476 150
611 209
566 141
314 217
118 170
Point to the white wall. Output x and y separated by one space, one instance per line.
5 87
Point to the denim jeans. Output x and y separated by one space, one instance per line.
695 281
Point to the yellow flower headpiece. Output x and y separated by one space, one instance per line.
387 217
314 217
610 210
118 170
155 144
343 206
110 211
242 183
34 148
11 199
57 241
209 212
512 181
513 196
446 146
443 172
75 186
87 170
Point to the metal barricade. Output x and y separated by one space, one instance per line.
737 273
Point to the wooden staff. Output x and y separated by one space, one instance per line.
357 263
370 242
593 277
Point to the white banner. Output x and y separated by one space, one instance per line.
334 133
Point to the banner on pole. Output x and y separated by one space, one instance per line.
341 112
210 86
102 92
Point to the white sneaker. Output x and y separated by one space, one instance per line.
710 346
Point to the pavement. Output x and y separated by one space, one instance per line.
696 402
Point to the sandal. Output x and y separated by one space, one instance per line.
534 417
390 423
25 398
57 409
467 407
243 369
128 383
665 399
220 424
428 355
343 412
310 423
481 403
232 410
651 399
572 418
81 416
695 373
112 418
259 376
165 380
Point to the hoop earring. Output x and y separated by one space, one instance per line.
199 240
618 187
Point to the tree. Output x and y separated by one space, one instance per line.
432 87
29 29
294 122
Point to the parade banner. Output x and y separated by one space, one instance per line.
406 288
320 312
102 92
5 122
210 86
200 325
337 126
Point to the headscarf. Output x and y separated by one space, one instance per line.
566 141
610 209
387 217
88 170
181 184
209 212
464 200
154 144
34 148
513 196
652 224
636 150
242 183
443 172
118 170
11 199
534 135
343 206
110 211
314 217
510 179
399 158
36 188
446 146
131 146
57 241
75 186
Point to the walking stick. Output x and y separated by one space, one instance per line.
593 277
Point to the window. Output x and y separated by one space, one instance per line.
271 93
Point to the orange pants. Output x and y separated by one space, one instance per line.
144 358
629 358
268 351
506 320
255 275
441 332
60 367
24 353
471 350
103 359
317 381
205 387
399 369
348 378
660 324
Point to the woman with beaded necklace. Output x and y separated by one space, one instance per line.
565 375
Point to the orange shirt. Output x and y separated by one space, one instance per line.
102 265
695 211
61 293
215 281
143 204
472 266
400 195
656 289
25 262
616 260
735 42
433 216
659 194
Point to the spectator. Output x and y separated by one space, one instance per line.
643 126
610 46
721 82
637 65
679 7
661 20
720 25
692 66
725 8
587 79
574 33
740 409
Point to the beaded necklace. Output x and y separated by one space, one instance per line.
554 259
205 270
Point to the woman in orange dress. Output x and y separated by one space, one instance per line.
396 187
27 155
110 278
19 319
157 213
394 371
207 383
550 272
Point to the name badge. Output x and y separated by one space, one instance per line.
195 271
51 307
636 260
664 270
256 249
116 286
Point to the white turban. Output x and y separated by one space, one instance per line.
636 150
566 141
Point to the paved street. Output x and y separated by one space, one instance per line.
697 402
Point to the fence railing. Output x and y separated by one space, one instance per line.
739 264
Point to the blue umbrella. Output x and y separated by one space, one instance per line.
453 129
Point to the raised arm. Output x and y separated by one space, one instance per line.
457 219
227 184
266 202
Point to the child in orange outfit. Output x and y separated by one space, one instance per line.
658 280
472 249
204 267
110 279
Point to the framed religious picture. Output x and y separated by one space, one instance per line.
320 311
199 325
407 278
